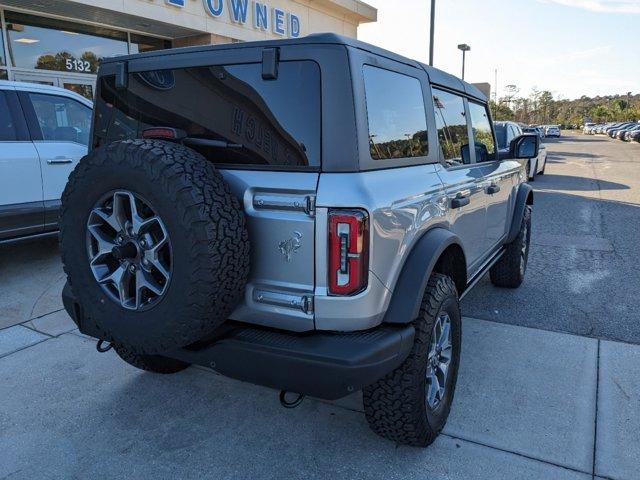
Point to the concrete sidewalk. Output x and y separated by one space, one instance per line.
530 404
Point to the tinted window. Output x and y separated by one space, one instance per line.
396 113
51 44
451 122
482 133
251 121
501 135
7 127
62 119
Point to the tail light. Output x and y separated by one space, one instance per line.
163 133
348 251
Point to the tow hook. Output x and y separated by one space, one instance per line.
100 346
293 404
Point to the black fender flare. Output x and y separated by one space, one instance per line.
406 299
524 197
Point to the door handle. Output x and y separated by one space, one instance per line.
460 202
59 160
492 189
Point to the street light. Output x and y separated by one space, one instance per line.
431 32
465 48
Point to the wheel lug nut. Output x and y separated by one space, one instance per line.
132 268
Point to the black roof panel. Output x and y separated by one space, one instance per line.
436 76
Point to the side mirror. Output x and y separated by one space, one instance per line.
525 146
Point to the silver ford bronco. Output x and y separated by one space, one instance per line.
301 214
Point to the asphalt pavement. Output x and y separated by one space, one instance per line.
584 266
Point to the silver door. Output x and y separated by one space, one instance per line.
498 177
462 178
280 209
467 216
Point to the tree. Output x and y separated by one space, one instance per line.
501 111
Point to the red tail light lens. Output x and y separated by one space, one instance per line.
163 133
348 251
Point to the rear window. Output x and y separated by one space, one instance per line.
253 122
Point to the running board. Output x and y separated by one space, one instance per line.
483 271
28 237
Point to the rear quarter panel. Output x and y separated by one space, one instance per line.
402 204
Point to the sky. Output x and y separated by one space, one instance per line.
569 47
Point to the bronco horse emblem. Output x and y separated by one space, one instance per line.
290 246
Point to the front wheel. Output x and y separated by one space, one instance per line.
411 405
510 269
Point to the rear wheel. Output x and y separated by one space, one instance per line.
154 245
411 405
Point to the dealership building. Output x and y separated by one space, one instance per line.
60 42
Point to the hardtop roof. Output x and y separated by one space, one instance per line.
436 76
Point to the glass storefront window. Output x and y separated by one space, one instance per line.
50 44
141 43
4 75
2 60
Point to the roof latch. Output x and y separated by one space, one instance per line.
270 59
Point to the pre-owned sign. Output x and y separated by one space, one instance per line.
255 13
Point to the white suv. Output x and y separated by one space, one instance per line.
44 132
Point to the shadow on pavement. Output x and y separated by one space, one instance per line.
555 154
575 139
574 183
583 275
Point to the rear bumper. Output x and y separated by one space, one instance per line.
321 364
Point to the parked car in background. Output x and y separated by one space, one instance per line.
622 134
44 132
613 132
506 132
588 127
633 136
534 129
552 131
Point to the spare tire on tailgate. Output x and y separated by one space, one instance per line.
154 244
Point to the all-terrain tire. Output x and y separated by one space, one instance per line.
396 406
150 363
206 228
509 271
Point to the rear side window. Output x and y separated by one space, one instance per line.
482 133
451 122
244 120
62 119
396 114
7 126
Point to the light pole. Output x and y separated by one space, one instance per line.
465 48
431 31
